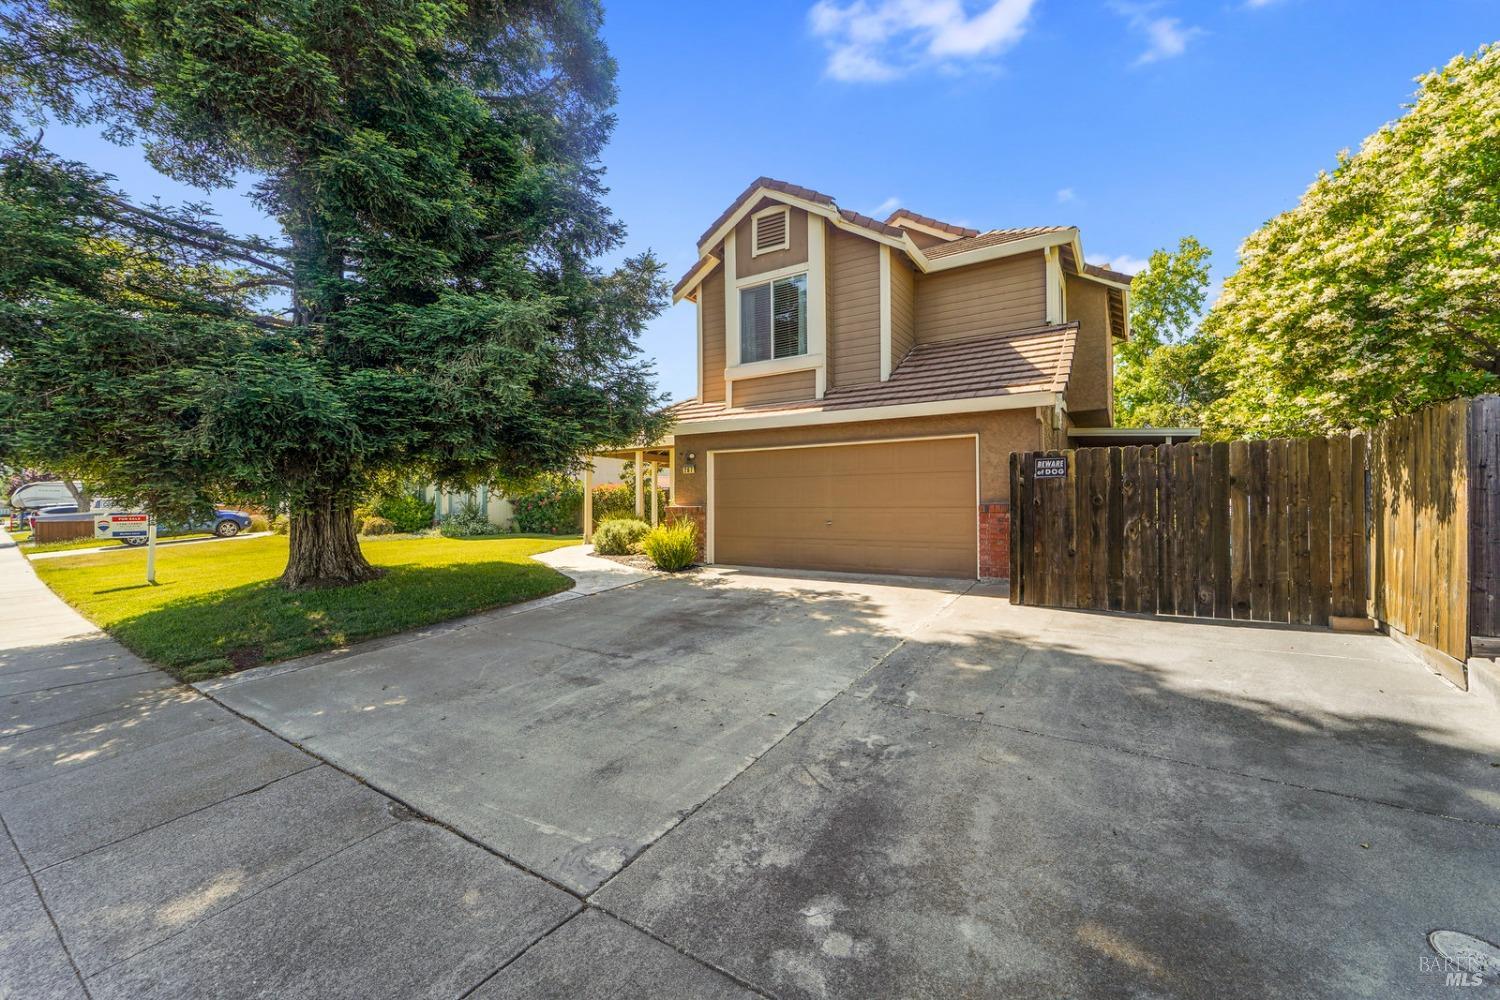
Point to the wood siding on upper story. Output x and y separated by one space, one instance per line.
903 308
853 310
785 388
747 264
711 351
993 297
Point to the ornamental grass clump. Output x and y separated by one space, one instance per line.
672 546
619 536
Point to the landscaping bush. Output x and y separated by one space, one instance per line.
553 506
619 535
673 546
377 526
259 522
281 524
613 500
469 522
410 514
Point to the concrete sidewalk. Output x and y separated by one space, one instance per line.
154 844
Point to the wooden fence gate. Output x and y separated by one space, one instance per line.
1402 525
1270 531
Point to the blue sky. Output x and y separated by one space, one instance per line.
1139 122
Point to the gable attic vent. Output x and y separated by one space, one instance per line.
771 231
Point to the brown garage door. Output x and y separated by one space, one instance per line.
898 507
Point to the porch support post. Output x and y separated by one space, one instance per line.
640 468
588 501
652 487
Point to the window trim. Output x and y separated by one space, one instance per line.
756 249
770 278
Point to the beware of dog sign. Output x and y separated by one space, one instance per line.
1051 467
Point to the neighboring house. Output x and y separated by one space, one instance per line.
862 383
498 509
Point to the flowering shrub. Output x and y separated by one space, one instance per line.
554 506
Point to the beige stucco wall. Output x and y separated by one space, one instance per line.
994 297
785 388
746 264
1091 386
711 350
853 310
1000 433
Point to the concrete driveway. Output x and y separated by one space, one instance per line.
734 784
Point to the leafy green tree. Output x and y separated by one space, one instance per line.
1162 374
428 306
1377 294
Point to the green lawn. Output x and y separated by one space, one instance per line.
216 608
28 547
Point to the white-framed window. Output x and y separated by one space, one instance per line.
770 230
773 319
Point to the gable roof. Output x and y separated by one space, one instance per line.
1026 361
993 238
929 222
1107 274
963 247
796 191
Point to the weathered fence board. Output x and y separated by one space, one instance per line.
1484 516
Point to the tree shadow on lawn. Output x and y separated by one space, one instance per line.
198 637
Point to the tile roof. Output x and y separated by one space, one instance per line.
970 239
995 237
1039 359
1104 272
929 222
796 191
683 281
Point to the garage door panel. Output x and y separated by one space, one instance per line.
889 507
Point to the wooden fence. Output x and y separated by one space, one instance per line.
1268 531
1402 526
1419 484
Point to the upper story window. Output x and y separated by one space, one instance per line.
773 319
770 230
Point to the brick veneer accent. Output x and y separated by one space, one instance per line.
698 516
994 539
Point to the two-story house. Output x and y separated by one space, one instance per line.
862 383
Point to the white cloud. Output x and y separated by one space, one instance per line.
1066 195
1121 262
885 207
1166 37
877 40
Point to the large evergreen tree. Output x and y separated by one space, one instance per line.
429 306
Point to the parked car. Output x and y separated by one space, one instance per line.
224 523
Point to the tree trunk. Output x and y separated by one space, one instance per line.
324 549
80 497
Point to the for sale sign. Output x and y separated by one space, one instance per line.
121 525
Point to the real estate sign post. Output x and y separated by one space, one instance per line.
120 526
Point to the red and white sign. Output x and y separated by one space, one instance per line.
116 525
